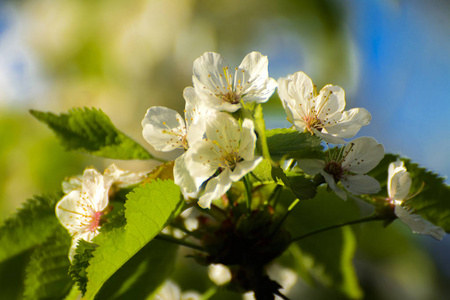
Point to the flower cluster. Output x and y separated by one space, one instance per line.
81 210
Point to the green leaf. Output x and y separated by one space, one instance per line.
148 210
290 142
327 255
142 274
432 203
77 271
47 276
91 131
31 225
303 188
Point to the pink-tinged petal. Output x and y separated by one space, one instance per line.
362 155
361 184
163 128
419 224
311 166
215 188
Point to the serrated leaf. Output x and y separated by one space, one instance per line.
148 210
142 274
432 203
77 270
290 142
47 276
328 255
302 187
31 225
91 131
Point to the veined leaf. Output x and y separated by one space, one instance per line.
47 276
290 142
31 225
91 131
432 202
148 210
142 274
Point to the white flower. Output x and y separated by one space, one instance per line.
398 184
219 274
166 130
321 114
171 291
349 165
86 199
225 88
81 209
225 156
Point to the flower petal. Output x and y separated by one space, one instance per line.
350 123
419 224
399 185
330 101
244 168
70 213
215 188
208 69
223 130
183 178
202 160
361 184
332 184
362 155
123 178
247 140
95 189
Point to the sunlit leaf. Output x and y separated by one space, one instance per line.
91 131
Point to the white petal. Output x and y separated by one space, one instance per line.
183 179
301 89
311 166
196 107
394 167
222 129
219 274
256 65
362 155
419 224
332 184
71 184
399 186
328 138
71 214
350 123
123 178
244 168
207 70
95 189
163 128
331 100
361 184
202 160
215 188
248 140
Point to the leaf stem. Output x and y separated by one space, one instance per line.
171 239
363 220
248 192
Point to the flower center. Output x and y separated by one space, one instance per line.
231 97
95 221
335 169
312 122
230 159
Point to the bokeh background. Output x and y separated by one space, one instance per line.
390 56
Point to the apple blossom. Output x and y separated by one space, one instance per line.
225 90
349 165
398 185
321 114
